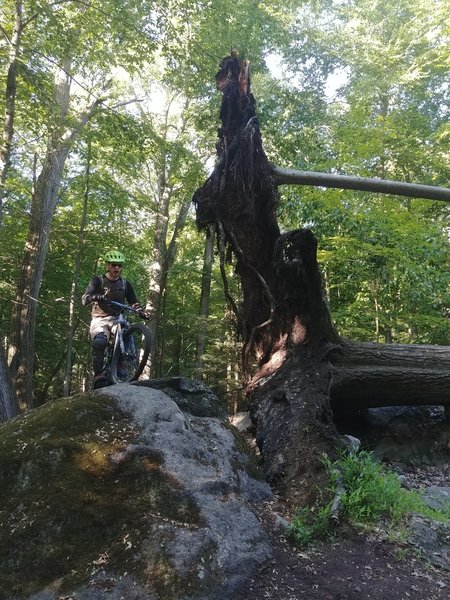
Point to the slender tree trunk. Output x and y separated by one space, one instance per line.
161 261
21 350
75 277
156 288
10 103
163 254
8 401
44 201
9 407
205 294
377 319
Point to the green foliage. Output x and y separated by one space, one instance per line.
220 363
370 493
384 261
385 266
309 525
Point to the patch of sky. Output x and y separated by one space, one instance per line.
337 79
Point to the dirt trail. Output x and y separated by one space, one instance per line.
361 567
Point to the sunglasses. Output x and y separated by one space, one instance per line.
116 265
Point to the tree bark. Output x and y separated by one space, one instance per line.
294 425
9 407
21 349
367 375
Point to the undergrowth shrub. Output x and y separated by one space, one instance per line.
309 524
370 492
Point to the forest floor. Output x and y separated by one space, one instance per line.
358 566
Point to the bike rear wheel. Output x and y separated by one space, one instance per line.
128 366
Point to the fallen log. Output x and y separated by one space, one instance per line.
368 375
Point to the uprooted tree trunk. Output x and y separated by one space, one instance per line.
295 360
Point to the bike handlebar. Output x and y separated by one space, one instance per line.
138 311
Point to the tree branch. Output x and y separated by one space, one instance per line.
346 182
125 103
5 35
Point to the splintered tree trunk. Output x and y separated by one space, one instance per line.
294 358
283 304
283 318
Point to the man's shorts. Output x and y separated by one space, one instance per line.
102 325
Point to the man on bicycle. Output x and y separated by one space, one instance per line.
100 290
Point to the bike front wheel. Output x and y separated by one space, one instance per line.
128 365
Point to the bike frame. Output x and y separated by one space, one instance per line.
116 331
122 346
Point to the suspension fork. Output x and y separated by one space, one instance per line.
121 325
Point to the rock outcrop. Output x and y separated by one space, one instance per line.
432 537
121 494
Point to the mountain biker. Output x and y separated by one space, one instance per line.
102 288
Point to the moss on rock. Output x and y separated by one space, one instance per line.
74 499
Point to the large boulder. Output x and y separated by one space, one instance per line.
121 494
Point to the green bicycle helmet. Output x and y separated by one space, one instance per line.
114 256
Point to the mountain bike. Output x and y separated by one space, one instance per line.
129 347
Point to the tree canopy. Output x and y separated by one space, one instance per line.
126 89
